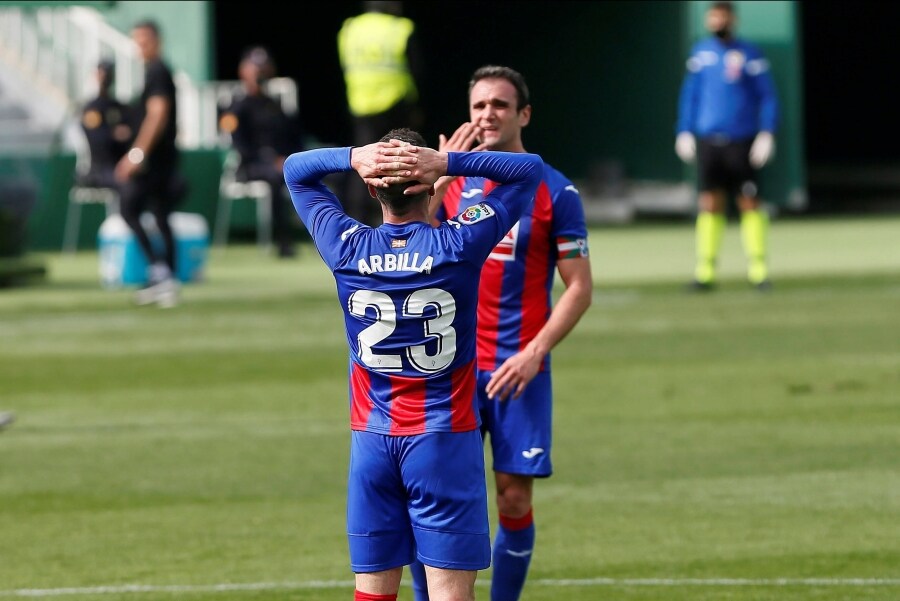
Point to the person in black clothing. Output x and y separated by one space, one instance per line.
149 174
107 129
264 135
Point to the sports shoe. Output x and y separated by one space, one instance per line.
164 293
763 286
286 251
6 418
698 286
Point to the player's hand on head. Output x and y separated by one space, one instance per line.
431 165
374 162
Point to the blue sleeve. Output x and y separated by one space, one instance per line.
303 173
768 98
687 99
568 214
318 207
483 225
519 174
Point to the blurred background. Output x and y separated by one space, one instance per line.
604 78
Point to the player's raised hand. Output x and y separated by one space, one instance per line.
463 139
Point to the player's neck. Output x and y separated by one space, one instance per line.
411 217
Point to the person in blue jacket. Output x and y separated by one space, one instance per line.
728 112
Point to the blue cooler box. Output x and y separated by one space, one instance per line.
123 264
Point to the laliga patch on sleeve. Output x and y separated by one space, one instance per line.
476 213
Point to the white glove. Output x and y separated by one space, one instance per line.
762 149
686 146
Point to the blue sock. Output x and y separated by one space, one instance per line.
419 583
511 557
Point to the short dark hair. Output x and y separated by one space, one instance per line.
507 73
393 197
150 24
107 68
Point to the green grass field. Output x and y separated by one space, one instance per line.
729 446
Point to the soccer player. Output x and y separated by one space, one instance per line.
518 325
727 115
409 292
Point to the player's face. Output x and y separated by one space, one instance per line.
492 107
146 41
718 19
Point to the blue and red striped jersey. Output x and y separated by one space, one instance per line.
517 280
409 292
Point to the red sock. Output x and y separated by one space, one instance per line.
517 523
361 596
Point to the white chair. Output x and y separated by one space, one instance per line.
80 195
230 190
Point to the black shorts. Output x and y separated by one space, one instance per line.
725 165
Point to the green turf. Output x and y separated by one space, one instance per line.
724 446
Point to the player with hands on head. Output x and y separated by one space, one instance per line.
409 293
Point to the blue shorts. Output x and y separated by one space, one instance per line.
423 496
520 428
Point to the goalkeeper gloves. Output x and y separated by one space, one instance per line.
762 149
686 146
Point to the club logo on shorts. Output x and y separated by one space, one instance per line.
476 213
532 452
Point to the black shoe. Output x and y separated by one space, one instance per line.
286 251
763 286
697 286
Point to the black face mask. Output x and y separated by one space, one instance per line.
723 33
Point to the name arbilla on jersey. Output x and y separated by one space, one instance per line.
398 262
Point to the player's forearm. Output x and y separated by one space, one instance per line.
573 303
511 168
152 126
310 166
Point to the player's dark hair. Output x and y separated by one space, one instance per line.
148 24
107 69
507 73
399 204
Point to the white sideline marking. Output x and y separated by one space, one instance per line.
319 584
723 582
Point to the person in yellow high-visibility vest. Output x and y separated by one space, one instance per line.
381 62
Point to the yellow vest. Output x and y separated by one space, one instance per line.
372 50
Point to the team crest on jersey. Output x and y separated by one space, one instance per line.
734 64
475 213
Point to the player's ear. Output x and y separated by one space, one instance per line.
371 190
525 116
